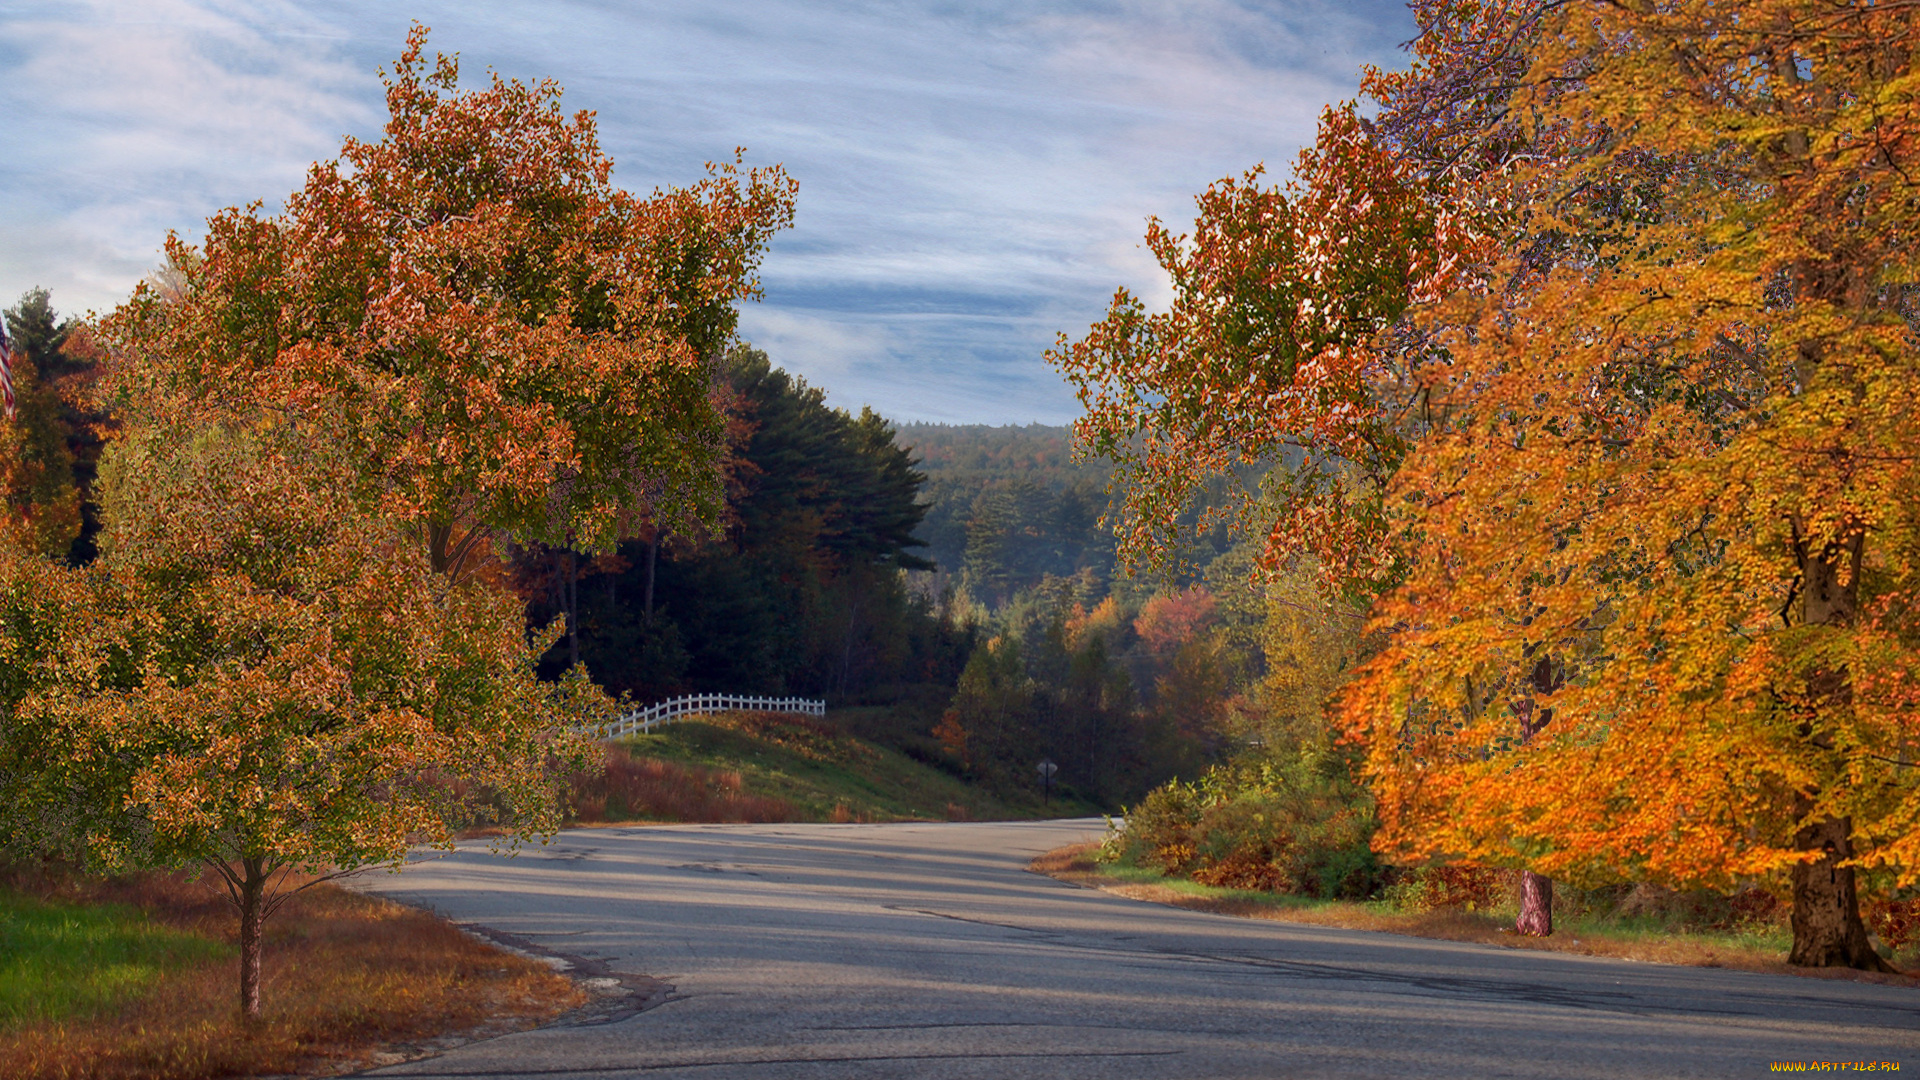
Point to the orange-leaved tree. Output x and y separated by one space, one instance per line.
1269 368
498 340
258 678
1284 375
1670 497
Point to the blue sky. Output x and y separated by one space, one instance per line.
974 177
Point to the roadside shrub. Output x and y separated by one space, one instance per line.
1292 824
1457 887
1352 872
1159 831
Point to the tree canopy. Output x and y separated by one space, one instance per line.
497 339
1626 447
1675 465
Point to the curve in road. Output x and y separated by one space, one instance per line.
926 950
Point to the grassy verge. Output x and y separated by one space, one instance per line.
1760 951
60 961
762 767
138 977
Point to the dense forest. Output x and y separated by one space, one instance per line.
802 589
953 586
1007 507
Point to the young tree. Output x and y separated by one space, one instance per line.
303 691
256 678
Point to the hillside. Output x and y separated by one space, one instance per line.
1008 506
760 767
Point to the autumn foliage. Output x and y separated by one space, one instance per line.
1675 467
493 338
1643 536
292 654
1269 355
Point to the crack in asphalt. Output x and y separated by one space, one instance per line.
636 993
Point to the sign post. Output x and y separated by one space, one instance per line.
1047 769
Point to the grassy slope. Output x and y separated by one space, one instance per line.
820 768
1631 939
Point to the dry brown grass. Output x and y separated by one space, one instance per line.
345 975
1075 864
649 789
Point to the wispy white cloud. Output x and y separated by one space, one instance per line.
133 117
828 348
974 178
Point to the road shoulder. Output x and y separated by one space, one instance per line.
1075 865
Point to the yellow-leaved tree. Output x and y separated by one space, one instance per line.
1594 365
1662 614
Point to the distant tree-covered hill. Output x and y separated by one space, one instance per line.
1008 506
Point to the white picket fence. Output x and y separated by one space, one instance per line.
645 720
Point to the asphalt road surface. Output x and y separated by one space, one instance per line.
926 950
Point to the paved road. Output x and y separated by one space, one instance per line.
924 950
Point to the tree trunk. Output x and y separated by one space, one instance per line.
572 592
1093 749
444 554
251 897
1536 890
846 647
1827 931
438 537
1536 905
653 558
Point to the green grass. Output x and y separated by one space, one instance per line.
1648 929
1662 939
1147 875
820 768
1770 939
67 960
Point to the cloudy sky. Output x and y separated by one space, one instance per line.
974 177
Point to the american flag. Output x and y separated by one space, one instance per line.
6 367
